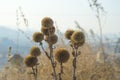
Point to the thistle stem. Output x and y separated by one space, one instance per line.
61 71
34 73
52 62
51 57
74 64
44 50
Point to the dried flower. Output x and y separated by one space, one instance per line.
78 36
35 51
30 61
69 33
62 55
51 39
47 22
48 31
78 44
38 37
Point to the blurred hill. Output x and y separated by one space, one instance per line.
10 37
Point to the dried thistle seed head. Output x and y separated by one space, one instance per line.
47 31
78 44
78 36
35 51
47 22
69 33
30 61
38 37
62 55
51 39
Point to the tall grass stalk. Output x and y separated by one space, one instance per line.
94 4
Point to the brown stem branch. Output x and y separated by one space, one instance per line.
51 57
52 62
74 64
34 73
44 50
61 71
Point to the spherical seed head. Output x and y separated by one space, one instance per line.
47 22
35 51
69 33
38 37
78 36
47 31
51 39
30 61
62 55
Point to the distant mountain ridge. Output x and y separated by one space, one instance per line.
9 37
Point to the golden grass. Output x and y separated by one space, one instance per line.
87 68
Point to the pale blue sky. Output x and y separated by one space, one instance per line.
65 12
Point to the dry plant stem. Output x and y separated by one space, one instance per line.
36 70
52 61
61 71
52 58
34 73
97 6
75 54
44 50
101 37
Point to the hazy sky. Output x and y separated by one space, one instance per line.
64 12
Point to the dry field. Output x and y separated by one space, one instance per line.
88 68
60 61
